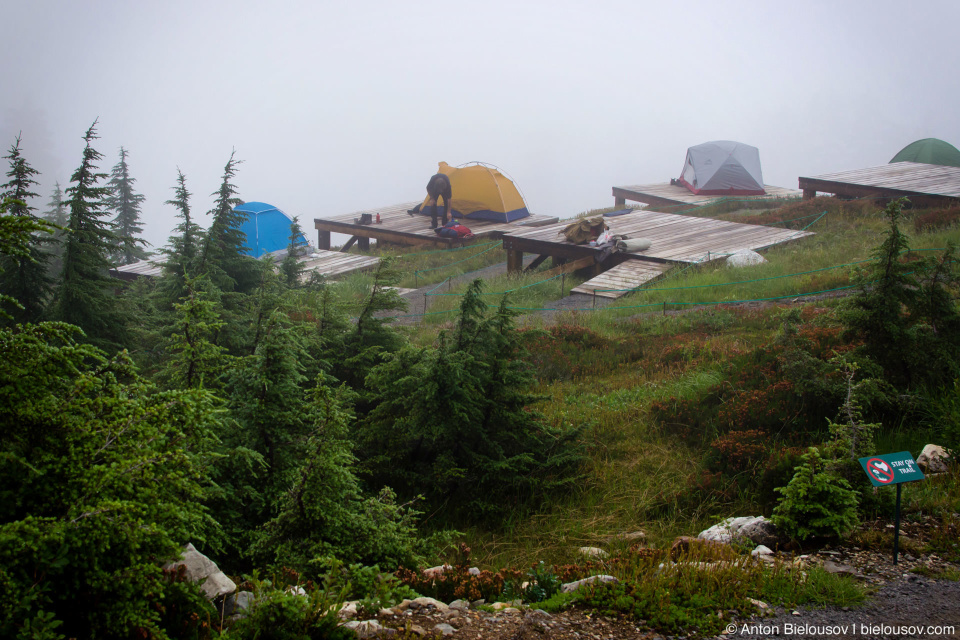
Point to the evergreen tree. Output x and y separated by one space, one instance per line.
221 255
323 513
57 214
24 278
292 266
102 480
372 335
182 250
456 423
16 233
265 397
903 313
195 360
84 295
125 203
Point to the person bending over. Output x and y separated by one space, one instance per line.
438 187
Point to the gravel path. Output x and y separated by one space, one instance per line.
910 606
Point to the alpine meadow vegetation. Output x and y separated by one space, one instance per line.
326 437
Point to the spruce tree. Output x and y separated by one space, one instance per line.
372 335
457 423
56 214
292 266
24 277
903 312
125 203
222 254
183 245
194 359
84 295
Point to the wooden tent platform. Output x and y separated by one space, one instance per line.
888 181
671 195
620 279
675 239
327 263
398 227
333 263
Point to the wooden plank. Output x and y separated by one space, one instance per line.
666 194
889 180
621 279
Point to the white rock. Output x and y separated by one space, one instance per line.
367 628
933 459
757 529
761 550
460 605
573 586
593 552
430 602
745 257
759 604
296 590
445 629
199 567
348 611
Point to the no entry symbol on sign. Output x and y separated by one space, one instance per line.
880 470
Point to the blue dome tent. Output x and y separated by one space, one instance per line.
267 228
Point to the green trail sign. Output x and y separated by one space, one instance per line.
891 468
888 469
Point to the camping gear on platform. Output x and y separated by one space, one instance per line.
453 229
723 168
266 227
929 151
480 193
584 230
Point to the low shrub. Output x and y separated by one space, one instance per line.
278 614
539 583
937 219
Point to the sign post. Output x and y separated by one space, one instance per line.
892 468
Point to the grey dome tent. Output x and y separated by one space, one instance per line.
723 168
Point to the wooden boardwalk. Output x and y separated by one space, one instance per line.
675 239
398 227
670 195
887 181
619 280
327 263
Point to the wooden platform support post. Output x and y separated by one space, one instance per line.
323 240
363 243
619 201
514 261
809 194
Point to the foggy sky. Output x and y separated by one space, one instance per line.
340 106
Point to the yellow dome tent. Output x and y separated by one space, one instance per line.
482 193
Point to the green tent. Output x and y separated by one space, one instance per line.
929 151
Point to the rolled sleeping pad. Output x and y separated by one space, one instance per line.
634 245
